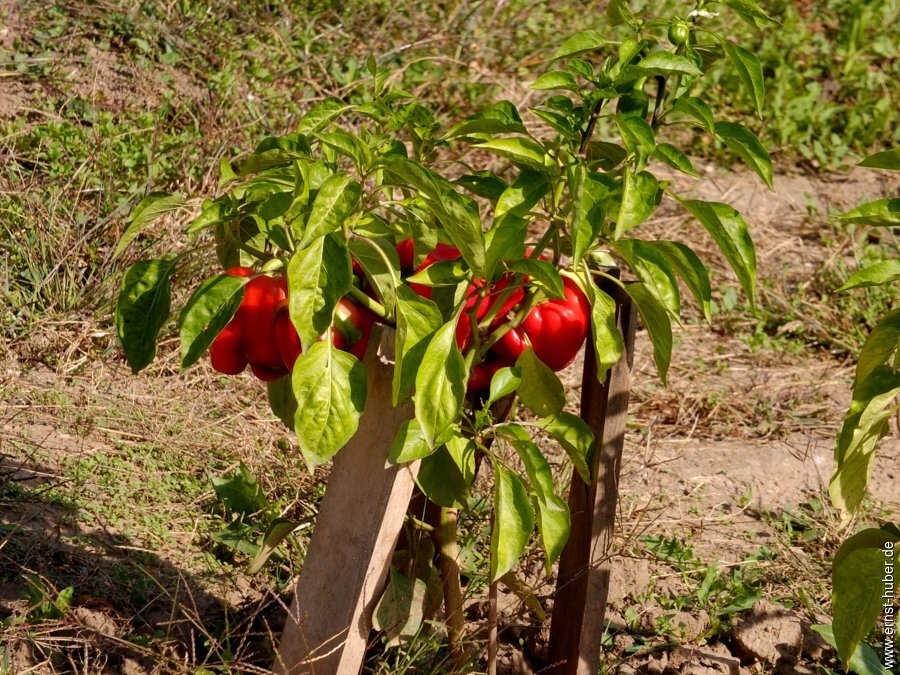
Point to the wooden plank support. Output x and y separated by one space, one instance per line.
582 587
359 521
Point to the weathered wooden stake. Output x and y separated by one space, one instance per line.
582 587
357 527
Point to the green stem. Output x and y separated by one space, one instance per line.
373 305
589 129
660 95
450 575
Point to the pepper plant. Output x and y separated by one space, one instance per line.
861 567
487 246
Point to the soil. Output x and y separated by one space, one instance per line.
730 461
739 440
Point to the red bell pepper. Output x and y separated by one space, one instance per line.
555 329
350 332
464 326
407 253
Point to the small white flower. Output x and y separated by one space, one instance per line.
702 13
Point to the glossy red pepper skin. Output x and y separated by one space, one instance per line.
286 337
225 353
255 315
556 329
407 254
352 327
267 374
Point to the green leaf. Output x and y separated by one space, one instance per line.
409 444
640 197
142 309
330 388
441 273
666 63
144 214
417 321
659 327
401 610
749 11
540 391
505 241
864 660
608 342
458 214
555 79
321 115
484 184
499 118
698 109
440 384
318 276
580 43
618 12
552 511
505 382
879 274
522 152
446 476
668 153
544 275
576 438
654 270
691 269
746 145
730 232
880 213
881 343
866 422
240 492
278 530
281 400
207 312
513 521
520 197
857 576
380 268
886 159
750 70
222 210
237 536
636 134
336 200
607 155
590 192
349 145
506 238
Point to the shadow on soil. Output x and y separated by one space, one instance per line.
128 610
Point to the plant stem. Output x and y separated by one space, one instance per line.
589 129
370 304
660 95
492 630
453 605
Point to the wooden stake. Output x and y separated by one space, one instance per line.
582 587
359 521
